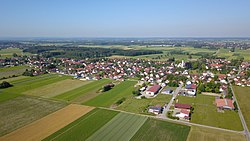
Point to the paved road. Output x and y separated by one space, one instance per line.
178 121
246 131
165 110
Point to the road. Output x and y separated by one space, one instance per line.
165 110
246 131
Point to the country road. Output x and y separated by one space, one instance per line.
246 131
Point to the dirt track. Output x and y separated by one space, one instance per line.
46 126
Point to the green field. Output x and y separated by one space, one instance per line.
10 71
23 110
139 106
29 83
83 127
108 98
83 93
13 79
157 130
205 112
206 134
243 97
8 52
121 127
56 88
234 55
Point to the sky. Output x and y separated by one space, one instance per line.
124 18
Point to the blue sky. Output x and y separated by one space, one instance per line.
125 18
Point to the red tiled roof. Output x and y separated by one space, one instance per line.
154 88
184 111
224 102
182 106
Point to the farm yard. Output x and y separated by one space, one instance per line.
83 93
206 134
205 112
44 127
243 97
110 97
159 130
23 110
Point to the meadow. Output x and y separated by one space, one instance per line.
159 130
109 98
10 71
8 52
139 106
234 55
207 134
243 97
23 110
83 127
85 92
205 112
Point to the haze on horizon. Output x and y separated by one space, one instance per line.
125 18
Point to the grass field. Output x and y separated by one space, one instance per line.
83 127
206 134
134 105
121 127
8 52
157 130
23 110
108 98
10 71
13 79
83 93
234 55
243 97
205 112
46 126
57 88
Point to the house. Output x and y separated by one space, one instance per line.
155 109
153 90
182 106
183 114
224 104
167 91
191 89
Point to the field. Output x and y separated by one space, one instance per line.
23 110
56 88
205 112
8 52
206 134
121 127
234 55
108 98
46 126
157 130
83 93
10 71
139 105
13 79
243 97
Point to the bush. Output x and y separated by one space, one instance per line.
120 101
5 84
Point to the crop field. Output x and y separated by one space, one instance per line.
10 71
35 82
13 79
139 106
84 92
121 127
157 130
234 55
23 110
206 134
56 88
83 127
46 126
8 52
243 97
205 112
108 98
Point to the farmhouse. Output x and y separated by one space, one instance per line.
182 106
182 111
155 109
153 90
224 104
191 89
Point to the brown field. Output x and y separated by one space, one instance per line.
57 88
46 126
206 134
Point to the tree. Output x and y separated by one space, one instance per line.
5 84
14 55
189 56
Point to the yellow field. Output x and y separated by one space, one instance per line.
206 134
46 126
